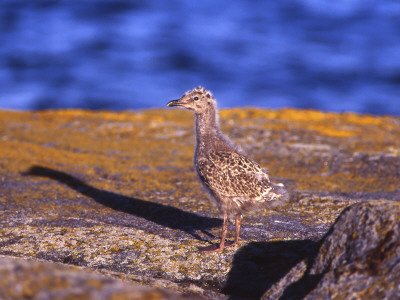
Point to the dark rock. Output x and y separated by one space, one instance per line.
359 258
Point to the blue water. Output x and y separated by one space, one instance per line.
341 55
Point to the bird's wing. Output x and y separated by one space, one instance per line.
233 175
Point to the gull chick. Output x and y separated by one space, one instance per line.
234 182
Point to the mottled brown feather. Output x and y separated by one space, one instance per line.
230 174
234 182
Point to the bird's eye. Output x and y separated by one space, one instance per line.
196 98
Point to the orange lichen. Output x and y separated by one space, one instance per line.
147 156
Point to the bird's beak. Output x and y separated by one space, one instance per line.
185 103
174 103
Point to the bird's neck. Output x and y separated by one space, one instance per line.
207 123
208 134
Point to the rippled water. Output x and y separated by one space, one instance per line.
330 55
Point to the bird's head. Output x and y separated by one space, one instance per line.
198 100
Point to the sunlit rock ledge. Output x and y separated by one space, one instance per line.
115 193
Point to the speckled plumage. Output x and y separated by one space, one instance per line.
233 181
239 180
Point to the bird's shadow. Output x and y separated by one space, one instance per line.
258 265
164 215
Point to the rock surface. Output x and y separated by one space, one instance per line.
33 279
359 258
116 193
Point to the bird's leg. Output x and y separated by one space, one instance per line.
237 223
224 232
221 247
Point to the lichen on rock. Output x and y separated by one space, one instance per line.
35 279
116 193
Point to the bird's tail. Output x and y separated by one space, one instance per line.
282 194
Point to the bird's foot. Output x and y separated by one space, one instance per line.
216 247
